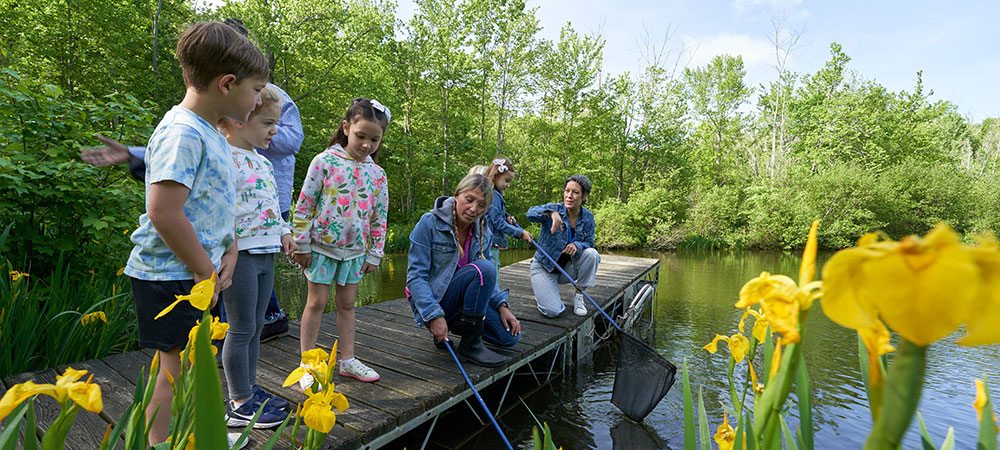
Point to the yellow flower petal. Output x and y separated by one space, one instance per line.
985 309
725 436
739 345
776 357
315 357
876 340
981 399
93 317
712 347
200 296
88 396
319 418
808 268
294 377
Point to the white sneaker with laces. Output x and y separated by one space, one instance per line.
359 371
579 305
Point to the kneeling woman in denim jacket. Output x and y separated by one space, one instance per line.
567 236
450 281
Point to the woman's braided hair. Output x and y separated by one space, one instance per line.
483 184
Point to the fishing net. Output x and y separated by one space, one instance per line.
642 378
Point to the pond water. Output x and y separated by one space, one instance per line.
694 301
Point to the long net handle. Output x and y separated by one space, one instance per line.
573 282
476 393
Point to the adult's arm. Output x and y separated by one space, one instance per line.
540 213
418 271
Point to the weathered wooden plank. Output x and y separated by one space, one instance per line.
375 395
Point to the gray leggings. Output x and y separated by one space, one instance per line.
246 301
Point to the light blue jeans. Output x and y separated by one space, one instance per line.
583 269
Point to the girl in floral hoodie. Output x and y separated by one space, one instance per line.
339 224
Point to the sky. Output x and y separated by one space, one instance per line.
955 44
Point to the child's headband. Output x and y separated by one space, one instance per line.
501 165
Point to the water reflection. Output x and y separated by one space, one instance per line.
693 302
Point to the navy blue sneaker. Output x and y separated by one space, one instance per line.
272 400
240 417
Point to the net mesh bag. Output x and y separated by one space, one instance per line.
642 378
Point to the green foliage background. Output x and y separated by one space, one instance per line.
679 156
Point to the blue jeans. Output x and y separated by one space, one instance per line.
469 292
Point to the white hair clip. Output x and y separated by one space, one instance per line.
384 109
501 165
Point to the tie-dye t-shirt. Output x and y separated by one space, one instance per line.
188 150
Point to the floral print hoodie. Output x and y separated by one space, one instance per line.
342 208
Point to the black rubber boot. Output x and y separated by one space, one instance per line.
471 348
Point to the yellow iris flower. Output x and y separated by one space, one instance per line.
781 299
94 317
739 345
759 325
922 288
200 297
316 362
15 275
84 393
217 330
725 435
317 411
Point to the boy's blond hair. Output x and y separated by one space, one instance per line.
269 98
209 49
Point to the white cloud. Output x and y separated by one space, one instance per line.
756 53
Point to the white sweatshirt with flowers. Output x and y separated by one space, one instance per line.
343 207
258 222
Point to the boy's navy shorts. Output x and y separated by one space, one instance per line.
171 330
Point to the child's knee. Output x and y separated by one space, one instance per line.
551 311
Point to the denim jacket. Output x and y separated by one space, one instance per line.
433 260
497 218
553 244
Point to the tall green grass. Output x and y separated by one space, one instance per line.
40 317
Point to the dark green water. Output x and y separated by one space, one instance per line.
694 302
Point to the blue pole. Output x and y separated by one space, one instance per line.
573 282
476 393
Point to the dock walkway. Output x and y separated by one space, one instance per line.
418 382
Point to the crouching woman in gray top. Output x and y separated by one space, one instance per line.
567 236
450 281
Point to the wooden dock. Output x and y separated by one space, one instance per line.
418 382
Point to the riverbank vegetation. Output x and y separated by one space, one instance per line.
679 156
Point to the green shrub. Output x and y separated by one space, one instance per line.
40 323
717 217
56 203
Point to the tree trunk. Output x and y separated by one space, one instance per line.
156 35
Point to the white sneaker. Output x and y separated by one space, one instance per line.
306 381
359 371
579 305
232 437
